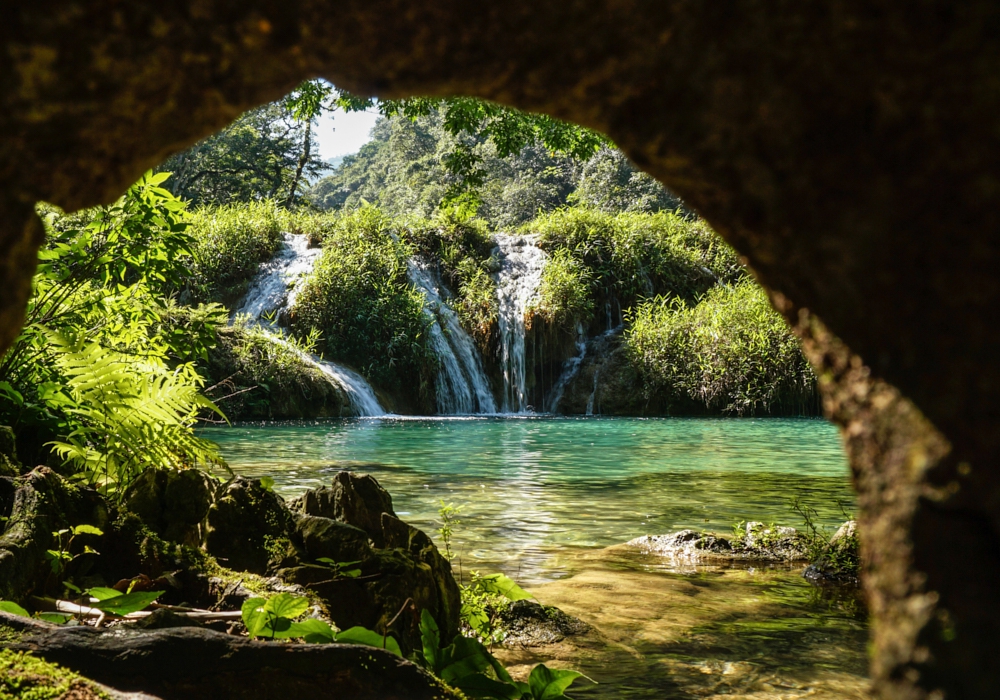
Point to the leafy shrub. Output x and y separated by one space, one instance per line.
730 352
360 298
564 296
230 242
629 256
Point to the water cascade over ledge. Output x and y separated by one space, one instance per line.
273 290
521 266
461 385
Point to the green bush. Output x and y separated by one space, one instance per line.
230 242
360 298
730 352
631 256
564 296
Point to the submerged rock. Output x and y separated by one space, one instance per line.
755 542
528 624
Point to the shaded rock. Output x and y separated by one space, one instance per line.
173 503
201 664
42 503
352 521
248 526
531 624
355 499
163 619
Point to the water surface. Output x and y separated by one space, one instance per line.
550 501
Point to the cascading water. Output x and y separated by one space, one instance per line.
462 386
570 369
521 265
273 289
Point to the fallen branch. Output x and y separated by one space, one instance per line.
65 606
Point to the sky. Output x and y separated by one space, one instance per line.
341 134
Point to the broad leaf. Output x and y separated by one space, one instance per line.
361 635
430 637
87 530
463 658
287 605
55 618
128 603
313 631
13 608
479 685
254 617
550 683
104 593
503 585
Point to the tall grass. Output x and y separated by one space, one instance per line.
230 242
730 352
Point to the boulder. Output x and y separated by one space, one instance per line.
173 503
757 542
528 623
357 499
42 502
402 572
248 526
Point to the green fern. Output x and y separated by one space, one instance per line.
128 415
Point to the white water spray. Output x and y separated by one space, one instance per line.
273 289
570 369
521 265
462 386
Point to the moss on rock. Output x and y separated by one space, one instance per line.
26 677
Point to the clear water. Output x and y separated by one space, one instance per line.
531 487
548 499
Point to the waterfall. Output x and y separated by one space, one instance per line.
273 289
593 393
570 369
521 265
461 385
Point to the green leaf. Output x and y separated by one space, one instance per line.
87 530
254 617
362 635
313 631
479 685
287 605
503 585
430 637
55 618
104 593
13 608
549 683
128 603
462 658
267 483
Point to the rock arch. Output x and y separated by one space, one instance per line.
849 150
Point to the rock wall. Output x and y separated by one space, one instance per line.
847 150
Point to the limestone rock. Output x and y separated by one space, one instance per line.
530 624
248 526
758 543
356 499
840 562
173 503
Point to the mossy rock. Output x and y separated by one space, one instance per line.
173 503
27 677
248 526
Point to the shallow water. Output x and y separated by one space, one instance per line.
547 499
